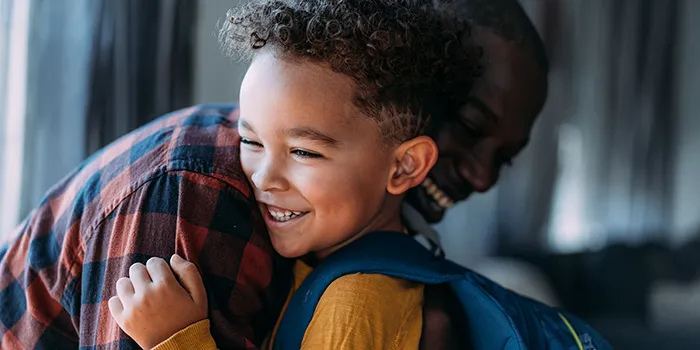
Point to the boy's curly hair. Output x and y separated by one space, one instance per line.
409 64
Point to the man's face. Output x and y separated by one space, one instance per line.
492 128
317 165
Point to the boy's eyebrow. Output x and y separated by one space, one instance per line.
244 125
306 132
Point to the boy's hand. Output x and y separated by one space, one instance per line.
151 305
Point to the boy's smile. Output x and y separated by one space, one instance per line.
281 214
319 167
279 217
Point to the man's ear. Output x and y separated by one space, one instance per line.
413 160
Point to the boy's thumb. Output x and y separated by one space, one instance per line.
189 277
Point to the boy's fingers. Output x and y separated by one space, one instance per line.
190 278
159 270
125 290
139 276
115 307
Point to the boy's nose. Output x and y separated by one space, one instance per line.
268 179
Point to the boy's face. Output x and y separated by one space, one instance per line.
318 166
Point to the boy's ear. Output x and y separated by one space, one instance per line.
413 160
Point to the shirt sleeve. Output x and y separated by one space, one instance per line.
205 220
196 336
367 311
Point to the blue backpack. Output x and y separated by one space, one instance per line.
501 319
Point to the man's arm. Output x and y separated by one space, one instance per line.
204 220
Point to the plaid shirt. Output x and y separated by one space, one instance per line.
174 185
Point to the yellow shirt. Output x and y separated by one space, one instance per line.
359 311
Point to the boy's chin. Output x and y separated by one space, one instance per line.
288 249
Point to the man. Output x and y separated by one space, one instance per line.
172 186
493 128
504 104
175 186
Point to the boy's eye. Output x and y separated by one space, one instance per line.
305 154
250 142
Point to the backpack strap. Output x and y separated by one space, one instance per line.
389 253
500 319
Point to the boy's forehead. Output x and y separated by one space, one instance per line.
298 94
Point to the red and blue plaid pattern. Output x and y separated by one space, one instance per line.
174 185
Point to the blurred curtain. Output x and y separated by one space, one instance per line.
141 66
599 169
98 69
14 39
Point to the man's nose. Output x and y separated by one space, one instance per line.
481 168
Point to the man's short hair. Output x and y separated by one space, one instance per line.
505 18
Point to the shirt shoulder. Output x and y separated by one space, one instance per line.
202 139
367 311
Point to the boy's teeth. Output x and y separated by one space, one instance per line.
284 216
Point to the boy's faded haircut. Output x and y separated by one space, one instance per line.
409 64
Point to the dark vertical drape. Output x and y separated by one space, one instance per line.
142 65
98 69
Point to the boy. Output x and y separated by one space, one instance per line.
383 67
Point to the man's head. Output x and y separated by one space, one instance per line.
333 107
495 124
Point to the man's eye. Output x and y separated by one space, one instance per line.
306 154
471 129
250 142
